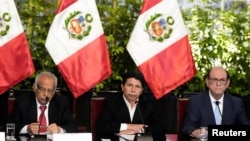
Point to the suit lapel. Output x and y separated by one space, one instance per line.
136 117
52 112
141 112
33 109
124 112
209 113
33 112
226 112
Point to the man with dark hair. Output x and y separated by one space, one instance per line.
129 113
215 106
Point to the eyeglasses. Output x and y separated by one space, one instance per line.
216 80
44 90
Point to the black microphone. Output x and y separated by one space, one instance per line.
142 136
47 99
139 110
217 104
42 112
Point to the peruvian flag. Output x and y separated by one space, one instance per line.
77 44
160 47
15 59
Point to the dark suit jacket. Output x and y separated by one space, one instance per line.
115 112
200 112
25 112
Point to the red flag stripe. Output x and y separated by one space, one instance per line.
87 67
16 62
170 68
64 4
148 4
86 61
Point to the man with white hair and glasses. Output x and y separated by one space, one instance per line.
43 111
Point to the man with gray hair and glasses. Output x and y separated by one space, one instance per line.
215 106
43 111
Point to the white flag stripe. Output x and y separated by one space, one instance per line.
64 47
141 42
14 23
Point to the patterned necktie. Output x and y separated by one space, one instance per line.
42 120
217 113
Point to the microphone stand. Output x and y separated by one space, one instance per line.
139 110
142 136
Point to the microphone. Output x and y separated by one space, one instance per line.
139 110
47 99
142 136
42 112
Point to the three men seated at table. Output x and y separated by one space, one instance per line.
128 112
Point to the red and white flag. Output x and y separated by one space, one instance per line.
15 59
160 47
77 44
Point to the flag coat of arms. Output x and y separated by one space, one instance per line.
15 59
77 45
160 47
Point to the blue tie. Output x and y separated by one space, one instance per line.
217 113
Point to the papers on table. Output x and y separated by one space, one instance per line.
127 137
2 136
71 136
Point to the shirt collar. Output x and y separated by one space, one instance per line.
38 104
126 101
213 99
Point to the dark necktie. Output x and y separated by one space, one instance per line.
217 113
42 119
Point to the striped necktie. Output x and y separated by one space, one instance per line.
42 119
